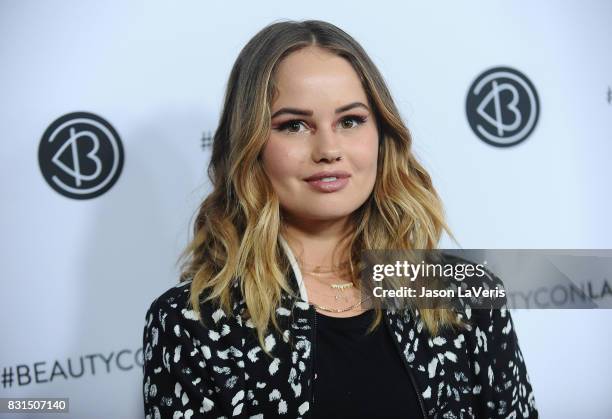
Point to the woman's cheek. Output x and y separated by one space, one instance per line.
283 165
367 156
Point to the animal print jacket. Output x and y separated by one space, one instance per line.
220 371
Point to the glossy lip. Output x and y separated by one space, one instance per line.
340 174
319 185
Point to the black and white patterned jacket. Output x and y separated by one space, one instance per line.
191 371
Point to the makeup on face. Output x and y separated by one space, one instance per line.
328 181
321 155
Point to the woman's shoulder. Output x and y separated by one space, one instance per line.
174 306
171 306
174 299
484 301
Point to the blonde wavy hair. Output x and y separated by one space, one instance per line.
236 231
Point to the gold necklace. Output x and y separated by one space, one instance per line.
322 273
341 310
339 288
345 298
318 268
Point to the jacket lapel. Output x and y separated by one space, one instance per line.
438 364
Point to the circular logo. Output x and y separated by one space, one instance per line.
502 107
80 155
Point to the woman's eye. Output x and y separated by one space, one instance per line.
358 120
348 122
292 126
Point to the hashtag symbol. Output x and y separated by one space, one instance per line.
7 377
207 140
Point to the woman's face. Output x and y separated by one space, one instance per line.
321 122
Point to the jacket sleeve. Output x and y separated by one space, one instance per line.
501 369
175 380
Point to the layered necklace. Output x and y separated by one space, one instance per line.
340 271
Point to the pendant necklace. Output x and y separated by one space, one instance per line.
338 287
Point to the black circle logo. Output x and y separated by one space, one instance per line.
502 107
80 155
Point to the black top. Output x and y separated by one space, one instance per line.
359 375
218 369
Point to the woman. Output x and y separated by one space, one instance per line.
311 164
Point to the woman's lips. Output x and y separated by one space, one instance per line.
331 186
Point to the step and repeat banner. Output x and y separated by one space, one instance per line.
107 112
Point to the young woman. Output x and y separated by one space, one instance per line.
311 164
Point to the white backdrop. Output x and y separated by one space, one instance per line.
78 274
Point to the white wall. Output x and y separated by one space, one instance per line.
77 275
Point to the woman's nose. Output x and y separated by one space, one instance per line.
326 146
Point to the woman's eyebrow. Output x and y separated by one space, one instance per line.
296 111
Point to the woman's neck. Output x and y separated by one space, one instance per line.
318 243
